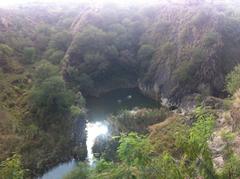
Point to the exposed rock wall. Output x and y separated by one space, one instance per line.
227 123
195 47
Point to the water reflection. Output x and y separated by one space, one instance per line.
59 171
99 109
93 131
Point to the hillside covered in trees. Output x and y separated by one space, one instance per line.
185 56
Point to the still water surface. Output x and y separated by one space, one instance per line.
99 109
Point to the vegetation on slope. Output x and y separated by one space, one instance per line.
169 50
182 146
172 51
38 112
139 159
139 156
233 79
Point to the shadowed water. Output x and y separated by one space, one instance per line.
99 108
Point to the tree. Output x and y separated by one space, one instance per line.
5 53
29 54
56 57
144 55
90 39
45 70
145 52
60 41
51 101
5 50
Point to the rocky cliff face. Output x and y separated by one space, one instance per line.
193 54
194 48
226 134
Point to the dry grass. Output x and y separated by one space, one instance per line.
236 102
9 140
163 135
154 128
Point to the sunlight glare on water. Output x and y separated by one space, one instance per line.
93 131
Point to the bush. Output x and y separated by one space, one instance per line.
231 167
183 72
76 112
82 81
145 52
139 120
12 168
167 48
5 50
61 41
144 55
56 57
29 54
134 149
45 70
51 101
138 158
211 38
233 80
81 171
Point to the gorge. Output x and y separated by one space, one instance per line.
112 91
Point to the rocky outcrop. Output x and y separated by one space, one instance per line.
191 55
235 111
226 133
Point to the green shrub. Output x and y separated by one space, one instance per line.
51 101
29 54
60 41
134 149
194 144
31 131
56 57
139 159
76 111
12 168
5 50
139 120
183 72
167 48
44 70
145 52
81 171
233 80
231 167
82 81
210 39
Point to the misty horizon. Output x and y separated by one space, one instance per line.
16 3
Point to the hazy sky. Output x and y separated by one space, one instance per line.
4 3
14 2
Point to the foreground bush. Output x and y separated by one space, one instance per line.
138 159
233 80
12 168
